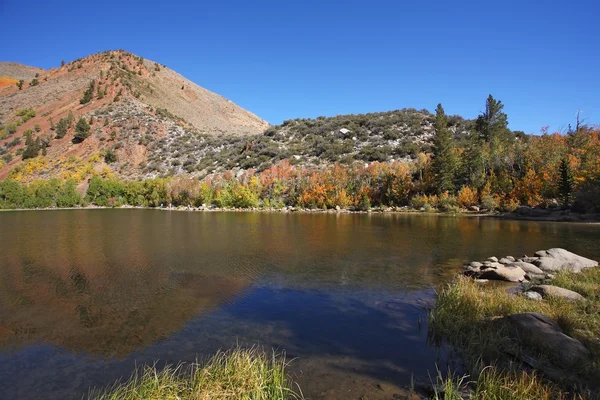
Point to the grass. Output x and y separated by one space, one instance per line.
463 316
244 374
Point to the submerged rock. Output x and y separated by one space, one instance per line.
540 331
554 291
556 259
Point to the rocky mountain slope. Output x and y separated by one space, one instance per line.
143 120
128 103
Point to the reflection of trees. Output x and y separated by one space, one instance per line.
111 281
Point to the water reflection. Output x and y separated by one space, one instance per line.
93 293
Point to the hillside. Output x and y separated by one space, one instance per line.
128 102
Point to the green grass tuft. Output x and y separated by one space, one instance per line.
244 374
464 313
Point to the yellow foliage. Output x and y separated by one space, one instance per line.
467 197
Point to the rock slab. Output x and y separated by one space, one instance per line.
542 332
502 273
556 259
555 291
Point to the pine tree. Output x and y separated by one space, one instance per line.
88 94
61 128
444 157
565 185
493 122
82 131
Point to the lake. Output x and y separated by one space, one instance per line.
88 295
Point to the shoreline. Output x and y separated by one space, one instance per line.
511 216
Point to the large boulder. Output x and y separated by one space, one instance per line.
527 267
502 273
541 332
556 259
555 291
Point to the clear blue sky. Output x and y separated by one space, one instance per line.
288 59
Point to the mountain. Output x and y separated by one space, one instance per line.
147 121
130 104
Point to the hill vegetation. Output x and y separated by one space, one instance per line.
97 122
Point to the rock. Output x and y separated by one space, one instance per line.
505 261
550 276
532 277
555 291
560 259
535 296
491 265
492 259
528 259
538 330
504 274
474 208
527 267
476 264
481 280
511 258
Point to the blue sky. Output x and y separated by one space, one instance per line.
284 59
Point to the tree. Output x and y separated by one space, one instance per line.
61 128
32 148
88 94
62 63
34 82
82 130
493 122
444 156
565 185
20 84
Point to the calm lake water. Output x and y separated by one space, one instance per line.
86 295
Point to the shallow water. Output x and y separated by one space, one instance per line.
86 295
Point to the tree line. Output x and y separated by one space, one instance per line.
492 168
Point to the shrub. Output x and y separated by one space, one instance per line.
467 197
489 202
34 82
110 156
419 201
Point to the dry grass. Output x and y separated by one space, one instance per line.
244 374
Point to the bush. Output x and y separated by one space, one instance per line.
490 202
467 197
110 156
419 201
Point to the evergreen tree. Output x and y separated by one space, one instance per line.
444 157
82 131
493 122
20 84
565 185
88 94
32 148
61 128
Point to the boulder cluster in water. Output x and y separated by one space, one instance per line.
540 267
